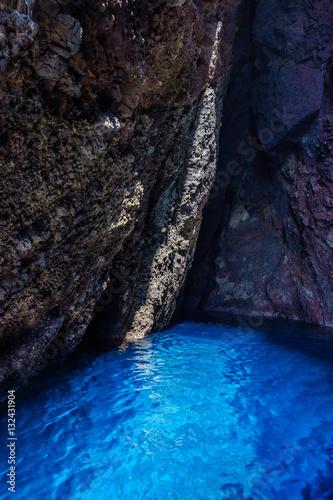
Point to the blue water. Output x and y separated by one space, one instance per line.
198 412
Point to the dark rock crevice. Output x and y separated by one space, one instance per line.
238 123
267 255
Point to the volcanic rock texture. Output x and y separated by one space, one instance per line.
110 134
267 237
110 114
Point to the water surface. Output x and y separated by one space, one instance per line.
198 412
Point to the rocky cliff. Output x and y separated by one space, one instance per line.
110 113
267 239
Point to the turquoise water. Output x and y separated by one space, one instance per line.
198 412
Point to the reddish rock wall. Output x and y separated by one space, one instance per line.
267 240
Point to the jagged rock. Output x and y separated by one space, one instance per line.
266 244
50 67
285 101
69 86
108 145
108 134
64 35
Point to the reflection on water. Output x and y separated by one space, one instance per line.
203 411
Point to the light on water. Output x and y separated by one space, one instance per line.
199 412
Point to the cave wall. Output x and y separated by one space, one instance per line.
110 112
110 137
266 244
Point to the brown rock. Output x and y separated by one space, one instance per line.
105 171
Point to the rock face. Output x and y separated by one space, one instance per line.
267 239
110 113
110 121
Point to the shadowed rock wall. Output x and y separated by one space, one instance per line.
110 112
267 238
110 119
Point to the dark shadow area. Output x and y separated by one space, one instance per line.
53 373
316 341
237 123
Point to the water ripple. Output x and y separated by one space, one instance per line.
201 412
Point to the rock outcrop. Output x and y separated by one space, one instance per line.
110 113
267 239
110 134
